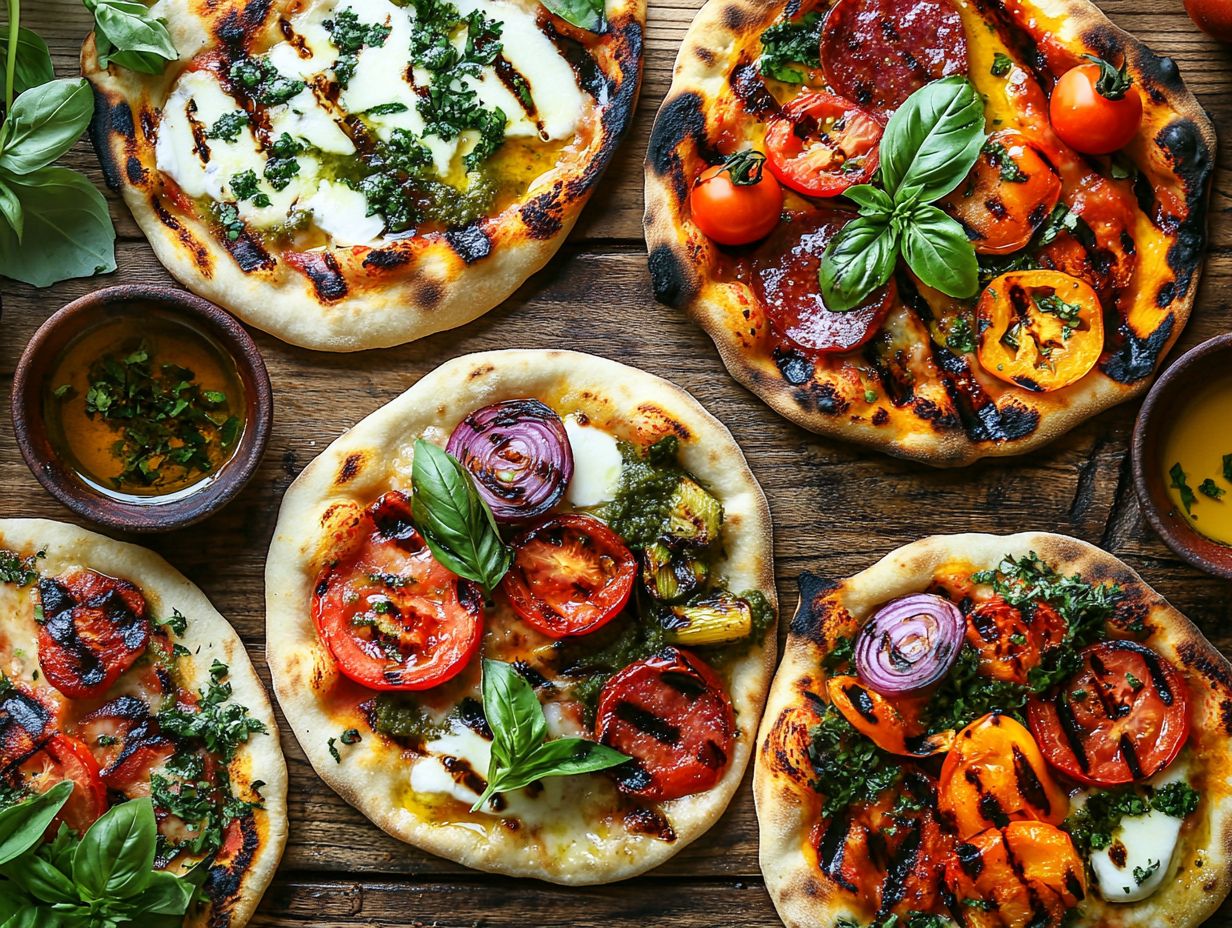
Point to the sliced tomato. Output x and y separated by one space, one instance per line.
820 144
65 758
1026 875
127 743
94 628
391 615
1011 643
893 726
1040 330
1007 196
671 714
25 723
995 774
785 282
571 574
1100 250
1122 718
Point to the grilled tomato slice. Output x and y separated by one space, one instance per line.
820 144
1010 641
61 758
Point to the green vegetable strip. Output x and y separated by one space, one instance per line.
10 70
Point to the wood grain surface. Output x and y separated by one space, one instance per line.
836 508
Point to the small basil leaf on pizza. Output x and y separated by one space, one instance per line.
934 138
860 259
455 520
128 35
585 14
938 252
873 201
115 857
44 124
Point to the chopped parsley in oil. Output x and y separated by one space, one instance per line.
791 43
259 79
850 768
1210 488
19 570
351 36
228 126
1176 474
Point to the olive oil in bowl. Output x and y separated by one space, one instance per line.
1197 460
144 407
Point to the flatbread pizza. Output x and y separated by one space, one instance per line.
523 615
945 230
120 677
991 731
351 174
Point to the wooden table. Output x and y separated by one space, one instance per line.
836 508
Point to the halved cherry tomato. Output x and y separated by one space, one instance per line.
1095 108
1026 875
1009 193
995 774
1123 717
820 144
736 202
391 615
893 726
571 574
671 714
65 758
1011 643
94 628
1040 330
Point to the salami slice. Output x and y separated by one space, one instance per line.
879 52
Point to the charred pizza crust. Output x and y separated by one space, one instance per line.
572 830
908 394
239 877
353 298
788 808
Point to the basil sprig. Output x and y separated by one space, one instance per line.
105 877
930 144
585 14
521 753
455 520
127 35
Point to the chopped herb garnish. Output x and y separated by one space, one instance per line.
1227 467
282 166
220 724
1177 475
1000 158
228 126
850 768
791 43
1068 313
1001 64
1209 487
386 109
1094 824
17 569
351 736
259 79
245 186
178 623
332 744
960 338
229 218
1134 683
1142 874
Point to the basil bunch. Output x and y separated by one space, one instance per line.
930 144
521 753
105 879
127 35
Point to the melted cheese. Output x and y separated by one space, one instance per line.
597 463
341 213
304 118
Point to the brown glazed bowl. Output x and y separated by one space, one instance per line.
30 423
1195 368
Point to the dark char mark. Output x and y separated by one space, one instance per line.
111 119
895 885
793 365
248 253
1136 357
470 714
531 675
861 702
1194 164
643 821
223 881
681 119
1029 783
673 285
1073 736
648 723
832 847
470 242
386 258
326 276
809 618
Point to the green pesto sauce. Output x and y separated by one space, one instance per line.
639 513
399 717
629 638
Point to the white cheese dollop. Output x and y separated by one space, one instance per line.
342 213
597 464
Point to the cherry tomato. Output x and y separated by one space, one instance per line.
571 574
1123 717
1095 109
1011 643
1011 190
671 714
94 628
736 202
995 774
1214 17
893 726
1026 875
1040 330
820 144
65 758
785 283
391 615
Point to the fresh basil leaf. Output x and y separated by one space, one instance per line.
166 894
68 231
938 252
934 138
33 60
41 880
585 14
30 917
513 712
116 855
857 261
569 756
45 123
873 201
455 521
22 826
130 36
10 209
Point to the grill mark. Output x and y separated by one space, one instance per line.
861 702
1038 909
648 723
832 848
1158 680
895 885
686 684
531 675
1029 783
1073 736
969 859
643 821
470 714
1131 757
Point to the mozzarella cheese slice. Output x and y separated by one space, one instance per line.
304 118
342 213
597 464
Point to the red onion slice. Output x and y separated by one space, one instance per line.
910 643
519 454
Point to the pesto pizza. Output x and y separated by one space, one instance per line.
995 732
351 174
944 230
523 616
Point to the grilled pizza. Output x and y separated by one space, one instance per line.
117 675
994 732
944 230
523 616
351 174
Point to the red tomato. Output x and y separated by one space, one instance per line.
126 742
1095 109
1011 643
571 574
1214 17
671 714
1123 717
736 202
391 615
820 144
65 758
94 628
24 724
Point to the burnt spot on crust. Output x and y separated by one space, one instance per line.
544 215
942 420
664 422
1135 358
386 258
673 285
751 91
793 365
249 253
737 17
981 418
682 119
827 399
350 468
481 371
239 26
814 607
1193 163
1214 671
471 243
224 880
200 254
323 271
135 171
111 118
644 821
1225 715
429 293
704 55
